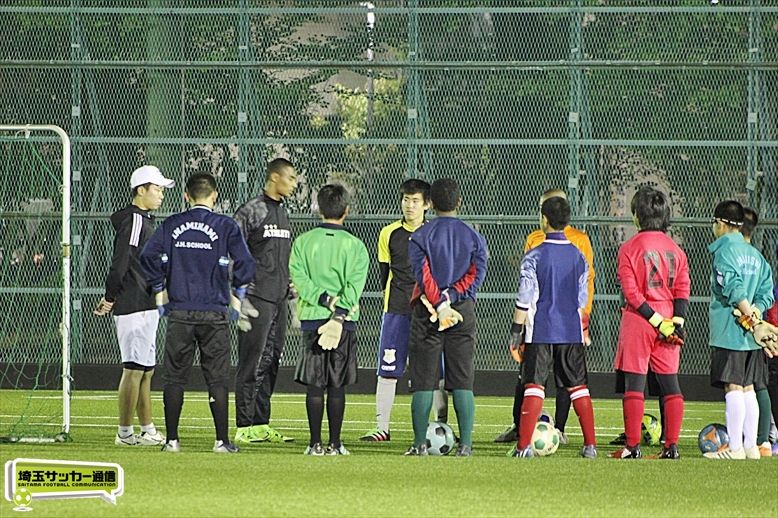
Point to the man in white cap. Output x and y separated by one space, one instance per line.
128 294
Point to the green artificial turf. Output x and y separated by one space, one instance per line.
377 480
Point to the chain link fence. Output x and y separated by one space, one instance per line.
510 98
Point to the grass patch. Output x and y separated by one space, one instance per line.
376 480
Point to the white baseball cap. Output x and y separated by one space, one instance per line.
149 174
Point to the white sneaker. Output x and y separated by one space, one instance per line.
173 446
148 439
562 437
130 440
753 452
225 447
726 453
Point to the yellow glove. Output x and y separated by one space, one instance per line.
766 336
665 325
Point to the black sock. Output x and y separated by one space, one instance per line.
314 404
518 399
562 408
336 407
218 397
173 398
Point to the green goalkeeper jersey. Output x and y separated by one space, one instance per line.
328 259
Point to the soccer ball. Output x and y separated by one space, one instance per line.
651 430
440 438
545 439
545 417
22 497
713 437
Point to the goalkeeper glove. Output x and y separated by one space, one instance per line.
247 311
585 327
448 317
679 333
765 334
516 345
430 308
235 302
161 299
326 300
664 325
330 332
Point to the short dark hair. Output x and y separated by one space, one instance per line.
557 211
730 212
651 208
444 194
415 186
278 166
135 189
333 200
200 185
750 221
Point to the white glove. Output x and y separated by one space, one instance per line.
247 310
330 332
430 308
447 316
766 336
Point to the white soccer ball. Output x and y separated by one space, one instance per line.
440 438
545 439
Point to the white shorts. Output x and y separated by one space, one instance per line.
137 333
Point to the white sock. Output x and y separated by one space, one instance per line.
736 414
384 399
149 429
751 421
440 402
126 431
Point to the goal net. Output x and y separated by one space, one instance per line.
34 284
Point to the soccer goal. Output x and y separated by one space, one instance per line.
34 284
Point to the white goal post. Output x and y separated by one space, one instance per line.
26 130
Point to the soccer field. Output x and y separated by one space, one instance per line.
377 480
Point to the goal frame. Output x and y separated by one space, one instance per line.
26 130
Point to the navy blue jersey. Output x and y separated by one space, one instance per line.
189 254
553 287
448 255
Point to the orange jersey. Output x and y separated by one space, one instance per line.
581 241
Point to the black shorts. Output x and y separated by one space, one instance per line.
654 390
569 361
209 331
762 371
734 367
456 344
323 369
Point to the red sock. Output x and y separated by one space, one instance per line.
582 403
673 418
530 411
634 406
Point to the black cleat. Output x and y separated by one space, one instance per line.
627 452
621 440
671 452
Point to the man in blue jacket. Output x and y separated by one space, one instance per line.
187 263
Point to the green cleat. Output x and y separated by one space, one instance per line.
375 435
245 434
263 433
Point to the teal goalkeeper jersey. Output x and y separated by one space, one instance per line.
328 258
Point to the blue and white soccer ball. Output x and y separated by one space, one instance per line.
545 417
440 438
713 437
545 439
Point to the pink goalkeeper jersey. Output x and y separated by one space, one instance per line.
653 269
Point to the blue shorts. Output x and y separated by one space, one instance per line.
393 347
